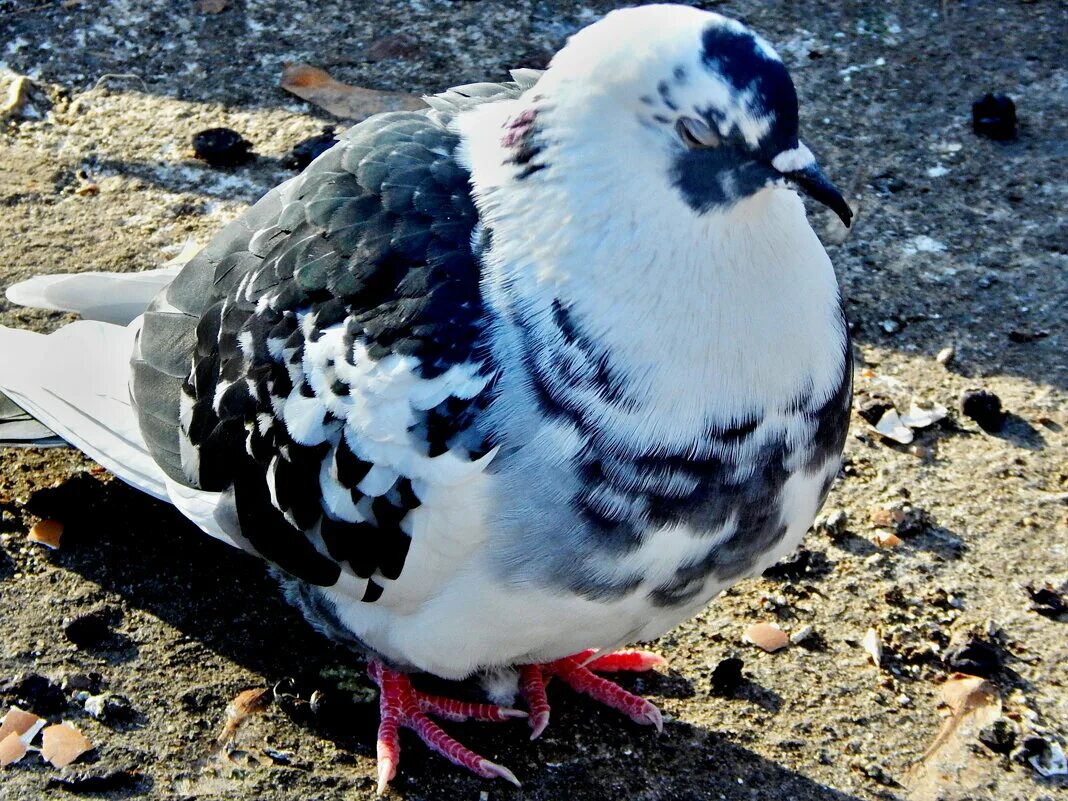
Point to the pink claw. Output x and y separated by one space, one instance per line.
578 674
403 705
532 688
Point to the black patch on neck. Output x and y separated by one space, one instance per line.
711 178
522 138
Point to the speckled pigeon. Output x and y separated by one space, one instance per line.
499 385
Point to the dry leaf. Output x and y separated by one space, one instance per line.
873 646
973 703
248 702
350 102
47 532
767 636
212 6
62 744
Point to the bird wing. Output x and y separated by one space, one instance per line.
318 363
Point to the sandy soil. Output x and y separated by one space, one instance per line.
960 242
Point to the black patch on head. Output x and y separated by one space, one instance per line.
711 178
738 57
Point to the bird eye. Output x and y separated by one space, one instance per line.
696 133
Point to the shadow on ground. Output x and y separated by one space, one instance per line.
141 550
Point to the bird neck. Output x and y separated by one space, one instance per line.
700 319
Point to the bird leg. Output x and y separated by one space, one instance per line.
403 706
578 672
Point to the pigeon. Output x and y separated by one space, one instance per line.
498 386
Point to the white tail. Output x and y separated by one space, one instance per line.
107 297
74 381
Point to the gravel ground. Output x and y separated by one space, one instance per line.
960 242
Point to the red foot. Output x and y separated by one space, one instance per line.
403 705
577 672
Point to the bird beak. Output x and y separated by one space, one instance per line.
800 168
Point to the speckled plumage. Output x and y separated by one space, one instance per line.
524 373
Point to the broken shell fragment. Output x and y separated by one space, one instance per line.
766 636
924 416
886 539
19 721
47 532
61 744
891 427
12 749
872 644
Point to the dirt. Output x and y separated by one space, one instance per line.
960 242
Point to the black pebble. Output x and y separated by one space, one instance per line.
984 407
999 736
994 116
307 150
39 693
727 676
1046 601
974 656
221 147
116 709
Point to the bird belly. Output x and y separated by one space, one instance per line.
482 618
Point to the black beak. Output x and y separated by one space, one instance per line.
817 186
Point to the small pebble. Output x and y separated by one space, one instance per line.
999 736
945 356
984 407
222 147
109 708
1046 600
802 634
994 116
833 523
873 645
1044 756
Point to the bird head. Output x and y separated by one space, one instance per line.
701 98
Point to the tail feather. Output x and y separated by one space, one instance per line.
75 382
18 428
107 297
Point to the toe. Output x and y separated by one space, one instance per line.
493 770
